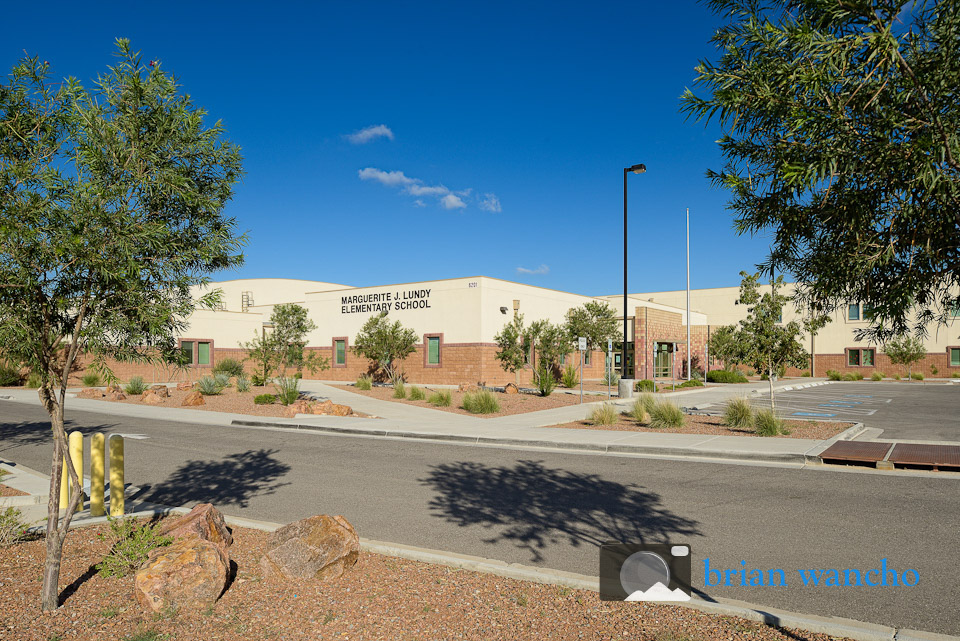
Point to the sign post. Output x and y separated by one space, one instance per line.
609 365
582 345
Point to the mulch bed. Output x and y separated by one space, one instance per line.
509 403
380 598
713 425
9 491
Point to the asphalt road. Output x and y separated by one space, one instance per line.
904 411
553 509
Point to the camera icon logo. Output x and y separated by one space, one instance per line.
638 572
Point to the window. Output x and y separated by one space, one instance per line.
187 348
340 351
431 354
861 357
586 357
866 357
853 311
197 353
868 312
955 310
853 358
955 357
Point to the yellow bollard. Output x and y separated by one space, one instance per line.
116 475
64 486
76 453
96 475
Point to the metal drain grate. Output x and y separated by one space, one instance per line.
854 451
935 456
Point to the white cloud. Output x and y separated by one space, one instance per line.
542 269
421 190
388 178
370 133
491 203
419 203
451 201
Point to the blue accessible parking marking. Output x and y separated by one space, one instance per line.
836 405
811 414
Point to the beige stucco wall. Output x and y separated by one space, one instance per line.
266 291
225 328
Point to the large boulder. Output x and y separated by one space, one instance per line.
204 522
160 390
193 399
184 386
189 574
113 389
319 547
324 407
297 407
90 392
341 410
150 397
511 388
115 396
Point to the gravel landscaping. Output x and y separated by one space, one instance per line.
713 425
509 403
379 598
9 491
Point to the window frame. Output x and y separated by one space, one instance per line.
859 317
333 348
426 350
196 351
950 353
859 351
850 352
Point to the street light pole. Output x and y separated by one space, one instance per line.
689 347
637 169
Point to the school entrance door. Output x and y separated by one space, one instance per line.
663 360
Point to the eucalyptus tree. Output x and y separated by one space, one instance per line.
111 210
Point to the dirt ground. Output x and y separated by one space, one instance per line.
379 598
713 425
509 403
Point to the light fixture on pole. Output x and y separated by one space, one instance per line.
689 348
637 169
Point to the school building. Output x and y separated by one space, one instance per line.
456 320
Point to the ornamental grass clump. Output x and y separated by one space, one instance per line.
639 410
243 384
364 382
399 390
208 386
570 379
417 394
136 386
482 402
877 376
264 399
91 379
769 424
665 414
738 413
545 381
288 389
441 398
605 414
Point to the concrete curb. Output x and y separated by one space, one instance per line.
833 626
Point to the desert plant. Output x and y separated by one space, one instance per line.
638 411
645 385
692 383
570 378
399 390
934 370
33 380
481 402
223 380
265 399
228 366
288 389
208 386
834 375
132 543
545 381
737 412
605 414
417 394
666 414
648 400
257 380
611 378
243 383
805 373
955 375
917 376
136 386
441 398
896 377
725 376
767 423
9 375
91 379
12 527
877 376
364 382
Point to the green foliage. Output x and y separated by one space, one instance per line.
691 383
833 375
665 414
596 321
955 375
638 411
132 543
570 378
840 124
364 382
399 390
853 376
545 381
13 529
384 343
34 380
441 398
648 400
417 394
725 376
288 389
481 402
511 351
283 347
223 380
645 385
228 366
91 379
877 376
209 386
9 375
896 377
805 373
905 350
257 380
136 386
917 376
738 413
934 370
723 346
264 399
243 383
767 423
611 378
548 343
605 414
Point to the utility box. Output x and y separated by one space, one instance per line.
626 388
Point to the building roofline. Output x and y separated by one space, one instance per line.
443 280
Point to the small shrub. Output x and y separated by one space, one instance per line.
441 398
10 375
258 380
482 402
228 366
605 414
136 386
243 384
364 382
288 389
298 376
666 414
764 377
877 376
725 376
222 380
955 375
692 383
769 424
737 412
417 394
917 376
833 375
570 378
848 377
33 380
805 373
639 409
399 390
896 377
611 378
208 386
91 379
648 400
132 543
12 527
934 370
645 385
545 382
264 399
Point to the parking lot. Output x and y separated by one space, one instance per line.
904 411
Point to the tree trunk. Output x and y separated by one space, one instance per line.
773 406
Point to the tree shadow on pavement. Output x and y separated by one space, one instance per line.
27 433
233 480
534 506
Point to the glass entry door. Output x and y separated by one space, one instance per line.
662 360
617 361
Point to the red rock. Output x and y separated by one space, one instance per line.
192 399
297 407
323 408
341 410
319 547
184 386
189 574
467 388
115 396
511 388
205 522
161 390
150 397
90 392
113 388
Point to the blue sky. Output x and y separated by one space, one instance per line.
505 129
